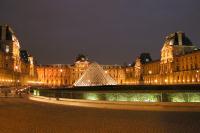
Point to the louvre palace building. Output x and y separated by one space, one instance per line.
179 63
17 67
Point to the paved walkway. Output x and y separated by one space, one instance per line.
20 115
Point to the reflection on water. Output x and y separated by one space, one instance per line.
185 97
128 96
136 97
91 96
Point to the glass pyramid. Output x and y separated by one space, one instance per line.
95 76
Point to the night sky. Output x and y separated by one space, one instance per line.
107 31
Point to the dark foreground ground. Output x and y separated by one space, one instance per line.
19 115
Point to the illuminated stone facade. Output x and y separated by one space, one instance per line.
62 74
116 72
67 75
14 70
54 75
179 64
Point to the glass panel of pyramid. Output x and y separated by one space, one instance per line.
95 76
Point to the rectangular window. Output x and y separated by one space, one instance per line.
195 66
177 68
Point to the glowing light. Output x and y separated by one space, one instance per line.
31 62
91 96
171 42
7 49
36 93
16 67
35 82
150 72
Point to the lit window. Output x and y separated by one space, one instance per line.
7 48
150 72
171 42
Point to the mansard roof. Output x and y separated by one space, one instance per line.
178 38
9 32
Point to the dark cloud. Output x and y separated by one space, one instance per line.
108 31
